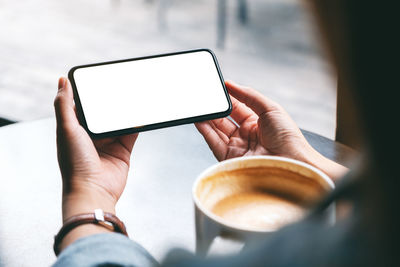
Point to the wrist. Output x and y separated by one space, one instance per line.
334 170
82 202
82 231
86 224
78 203
81 196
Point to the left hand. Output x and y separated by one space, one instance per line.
97 168
94 172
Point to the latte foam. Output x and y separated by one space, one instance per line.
258 211
260 198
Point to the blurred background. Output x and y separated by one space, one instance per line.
270 45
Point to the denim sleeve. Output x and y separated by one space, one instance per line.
110 249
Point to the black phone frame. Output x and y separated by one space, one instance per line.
81 115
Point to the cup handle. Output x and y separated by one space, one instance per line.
206 232
210 240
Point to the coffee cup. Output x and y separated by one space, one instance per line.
247 198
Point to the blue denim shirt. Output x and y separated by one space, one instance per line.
110 249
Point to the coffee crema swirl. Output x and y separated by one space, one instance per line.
259 198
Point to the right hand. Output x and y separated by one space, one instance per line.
264 128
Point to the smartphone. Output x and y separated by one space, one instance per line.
140 94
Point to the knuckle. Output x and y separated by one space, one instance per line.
57 100
251 101
248 88
65 129
276 106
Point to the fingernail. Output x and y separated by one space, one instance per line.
61 83
234 83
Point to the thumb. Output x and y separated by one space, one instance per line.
64 104
251 98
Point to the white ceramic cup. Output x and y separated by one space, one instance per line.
212 229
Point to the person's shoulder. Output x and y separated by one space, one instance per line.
311 243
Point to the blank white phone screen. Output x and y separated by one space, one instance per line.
142 92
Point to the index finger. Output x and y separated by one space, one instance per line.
251 98
213 139
240 112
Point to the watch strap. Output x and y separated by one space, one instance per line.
105 219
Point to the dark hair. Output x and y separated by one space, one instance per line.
361 37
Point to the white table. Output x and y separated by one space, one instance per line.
156 205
